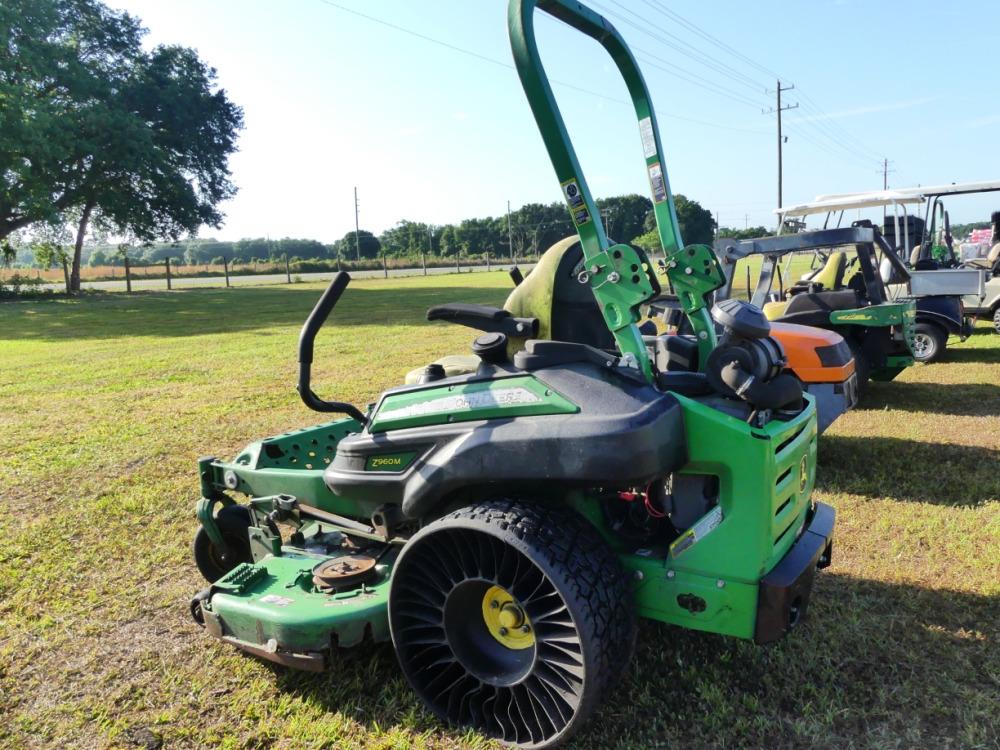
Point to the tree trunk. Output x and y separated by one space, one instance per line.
81 233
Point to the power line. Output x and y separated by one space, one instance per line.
691 26
822 125
494 61
684 47
704 82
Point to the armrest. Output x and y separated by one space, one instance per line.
485 318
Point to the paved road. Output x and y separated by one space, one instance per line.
182 282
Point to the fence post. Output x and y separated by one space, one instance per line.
385 268
128 277
168 274
423 262
288 274
225 267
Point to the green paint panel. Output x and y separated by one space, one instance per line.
766 478
503 398
875 316
289 464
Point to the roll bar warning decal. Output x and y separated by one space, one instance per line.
574 199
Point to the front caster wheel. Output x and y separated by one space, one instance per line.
234 524
511 618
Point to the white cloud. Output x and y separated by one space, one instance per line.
980 122
870 109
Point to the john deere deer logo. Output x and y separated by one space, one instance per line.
803 473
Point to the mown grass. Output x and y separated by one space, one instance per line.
107 401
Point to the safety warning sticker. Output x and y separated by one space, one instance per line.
657 183
648 139
697 532
574 199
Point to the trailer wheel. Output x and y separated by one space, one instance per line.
996 320
929 342
511 618
233 522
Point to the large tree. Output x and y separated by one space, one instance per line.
93 122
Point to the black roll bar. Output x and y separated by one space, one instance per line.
311 327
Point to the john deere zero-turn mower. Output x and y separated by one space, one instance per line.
842 294
504 528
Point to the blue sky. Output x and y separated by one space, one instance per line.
334 100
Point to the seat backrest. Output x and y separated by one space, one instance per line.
566 309
831 275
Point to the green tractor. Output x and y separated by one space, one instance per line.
504 528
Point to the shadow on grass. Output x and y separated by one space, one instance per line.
969 399
908 470
193 312
871 656
973 354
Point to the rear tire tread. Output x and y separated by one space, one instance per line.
588 576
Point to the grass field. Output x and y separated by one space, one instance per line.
107 401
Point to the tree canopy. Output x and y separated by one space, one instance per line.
138 140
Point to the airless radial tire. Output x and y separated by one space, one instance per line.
511 618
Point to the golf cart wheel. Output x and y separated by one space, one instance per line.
511 618
862 368
233 522
929 342
996 320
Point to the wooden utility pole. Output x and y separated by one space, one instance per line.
167 259
885 173
128 277
510 234
288 273
357 238
781 139
225 268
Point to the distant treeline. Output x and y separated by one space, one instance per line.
532 228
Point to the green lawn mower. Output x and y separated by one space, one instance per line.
844 292
505 527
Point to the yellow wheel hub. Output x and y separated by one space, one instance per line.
506 620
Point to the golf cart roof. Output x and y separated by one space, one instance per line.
927 191
825 204
955 188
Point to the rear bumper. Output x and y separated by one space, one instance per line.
784 592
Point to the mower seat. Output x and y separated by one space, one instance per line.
774 310
828 278
831 275
814 309
564 308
